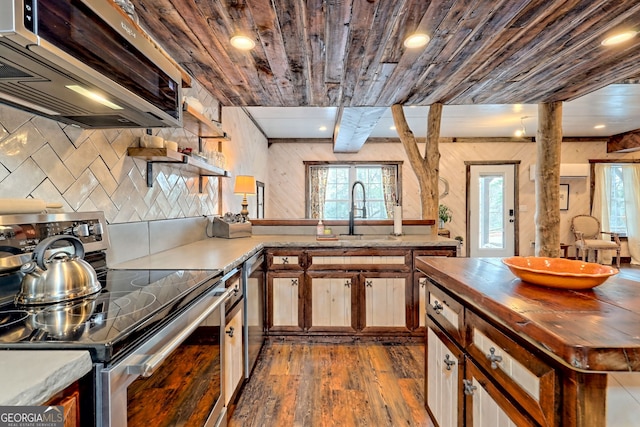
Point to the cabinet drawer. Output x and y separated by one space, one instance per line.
446 311
286 259
486 405
528 379
448 251
370 259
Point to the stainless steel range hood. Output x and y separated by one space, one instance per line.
85 63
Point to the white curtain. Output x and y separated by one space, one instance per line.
600 207
631 179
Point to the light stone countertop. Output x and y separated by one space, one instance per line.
225 254
31 377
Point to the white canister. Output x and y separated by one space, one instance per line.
397 220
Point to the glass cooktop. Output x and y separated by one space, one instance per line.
130 305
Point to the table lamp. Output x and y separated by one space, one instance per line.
245 184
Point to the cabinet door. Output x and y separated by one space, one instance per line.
332 303
386 298
233 361
443 371
421 288
486 406
285 296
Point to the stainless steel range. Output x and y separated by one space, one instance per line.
135 322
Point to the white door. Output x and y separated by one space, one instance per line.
492 212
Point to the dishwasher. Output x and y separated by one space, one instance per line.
254 284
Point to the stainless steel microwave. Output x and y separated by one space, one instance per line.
85 63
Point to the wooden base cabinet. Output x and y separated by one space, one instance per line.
387 297
331 301
233 355
285 293
444 371
498 382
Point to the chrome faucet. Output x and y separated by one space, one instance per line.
363 209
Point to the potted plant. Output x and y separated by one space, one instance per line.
445 215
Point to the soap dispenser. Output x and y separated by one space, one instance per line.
320 228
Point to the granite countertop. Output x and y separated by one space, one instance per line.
31 377
225 254
589 330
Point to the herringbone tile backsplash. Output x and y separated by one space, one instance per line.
88 170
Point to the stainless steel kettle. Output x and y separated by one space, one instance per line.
61 277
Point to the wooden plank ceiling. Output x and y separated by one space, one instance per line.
349 53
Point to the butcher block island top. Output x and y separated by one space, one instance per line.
588 330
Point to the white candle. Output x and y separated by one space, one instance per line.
397 220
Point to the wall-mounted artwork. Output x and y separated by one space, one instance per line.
564 197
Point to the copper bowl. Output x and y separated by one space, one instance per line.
559 272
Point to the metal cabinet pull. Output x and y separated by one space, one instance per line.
423 283
437 307
294 282
285 260
369 283
230 331
347 283
469 388
448 362
494 358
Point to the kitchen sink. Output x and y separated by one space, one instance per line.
367 237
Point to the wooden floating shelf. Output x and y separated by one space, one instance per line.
162 155
200 124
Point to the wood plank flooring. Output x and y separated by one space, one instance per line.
320 384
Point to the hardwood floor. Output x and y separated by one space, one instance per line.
320 384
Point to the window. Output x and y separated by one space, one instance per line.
615 195
330 185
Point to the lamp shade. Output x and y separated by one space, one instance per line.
245 184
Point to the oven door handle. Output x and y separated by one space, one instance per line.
147 367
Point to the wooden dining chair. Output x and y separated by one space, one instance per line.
588 235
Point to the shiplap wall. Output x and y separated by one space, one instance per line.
89 170
285 194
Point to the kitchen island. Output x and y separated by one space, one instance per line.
530 354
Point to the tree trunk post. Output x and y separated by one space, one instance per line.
427 168
548 146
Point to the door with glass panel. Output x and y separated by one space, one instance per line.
492 214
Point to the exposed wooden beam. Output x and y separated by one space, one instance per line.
355 126
624 142
443 140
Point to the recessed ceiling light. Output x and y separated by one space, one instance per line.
242 42
322 128
599 127
416 40
519 133
392 127
619 38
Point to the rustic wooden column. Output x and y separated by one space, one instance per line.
427 168
548 144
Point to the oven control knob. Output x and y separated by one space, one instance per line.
81 230
96 229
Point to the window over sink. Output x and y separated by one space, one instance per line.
329 186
